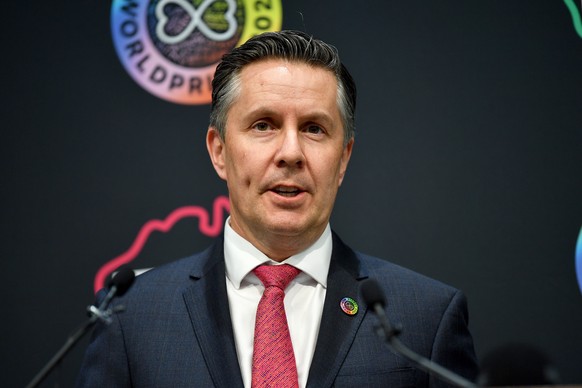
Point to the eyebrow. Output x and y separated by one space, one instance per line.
318 116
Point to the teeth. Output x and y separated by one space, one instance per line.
286 189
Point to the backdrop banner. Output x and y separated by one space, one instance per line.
467 164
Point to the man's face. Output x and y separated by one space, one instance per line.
283 156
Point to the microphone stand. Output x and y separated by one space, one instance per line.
390 334
96 314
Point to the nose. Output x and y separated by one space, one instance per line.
290 152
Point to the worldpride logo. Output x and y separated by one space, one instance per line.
171 47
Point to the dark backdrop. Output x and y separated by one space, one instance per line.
466 166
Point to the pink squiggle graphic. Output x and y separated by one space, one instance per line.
219 207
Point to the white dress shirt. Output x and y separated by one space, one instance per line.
304 297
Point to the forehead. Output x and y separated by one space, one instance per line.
274 80
280 67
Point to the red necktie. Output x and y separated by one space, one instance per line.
273 358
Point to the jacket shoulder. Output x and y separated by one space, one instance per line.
386 271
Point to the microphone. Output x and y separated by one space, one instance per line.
122 280
118 285
374 298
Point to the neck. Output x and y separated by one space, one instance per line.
279 247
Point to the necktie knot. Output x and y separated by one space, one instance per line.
276 275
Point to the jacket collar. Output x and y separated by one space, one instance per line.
207 303
338 329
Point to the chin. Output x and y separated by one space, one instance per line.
291 227
286 230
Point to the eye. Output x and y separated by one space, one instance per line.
261 126
314 129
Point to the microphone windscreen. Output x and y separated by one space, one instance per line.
372 293
122 280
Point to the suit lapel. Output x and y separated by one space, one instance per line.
337 330
207 303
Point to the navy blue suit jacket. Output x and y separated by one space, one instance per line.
176 330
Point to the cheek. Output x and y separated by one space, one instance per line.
243 168
329 169
326 181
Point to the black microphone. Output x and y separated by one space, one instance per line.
374 298
118 285
122 280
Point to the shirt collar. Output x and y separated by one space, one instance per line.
241 257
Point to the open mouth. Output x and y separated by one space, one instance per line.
286 191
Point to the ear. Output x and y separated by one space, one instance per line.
216 149
346 154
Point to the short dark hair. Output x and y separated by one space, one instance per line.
288 45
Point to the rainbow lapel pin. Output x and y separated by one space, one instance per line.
349 306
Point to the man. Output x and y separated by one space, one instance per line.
281 136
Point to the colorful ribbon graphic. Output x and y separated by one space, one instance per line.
575 12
